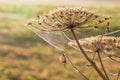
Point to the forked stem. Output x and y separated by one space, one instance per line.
86 56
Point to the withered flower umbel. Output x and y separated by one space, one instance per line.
109 44
65 18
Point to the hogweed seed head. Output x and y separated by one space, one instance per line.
63 59
106 45
65 18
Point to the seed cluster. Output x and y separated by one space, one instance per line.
107 44
65 18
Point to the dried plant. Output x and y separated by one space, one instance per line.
67 18
109 44
63 60
64 19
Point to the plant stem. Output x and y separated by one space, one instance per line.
76 67
102 65
86 56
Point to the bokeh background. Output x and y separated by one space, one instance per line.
25 56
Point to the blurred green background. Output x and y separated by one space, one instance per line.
24 56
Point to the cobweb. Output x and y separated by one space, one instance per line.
60 39
56 39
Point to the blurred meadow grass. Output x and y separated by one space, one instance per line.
24 56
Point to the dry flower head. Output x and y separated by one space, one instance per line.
65 18
107 45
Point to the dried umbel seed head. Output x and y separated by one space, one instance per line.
66 18
105 45
63 59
